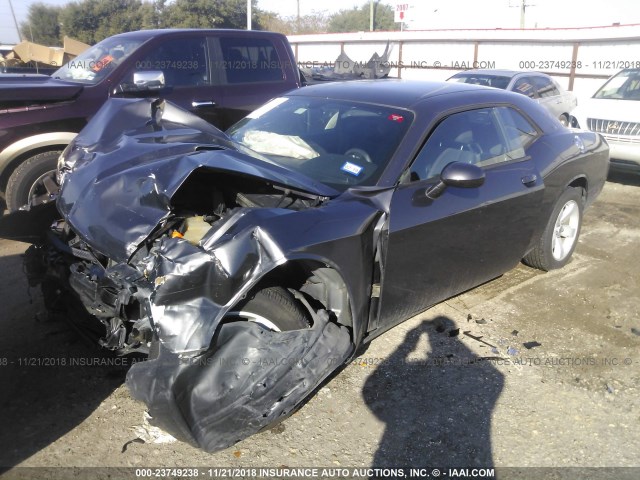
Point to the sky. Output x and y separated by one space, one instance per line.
429 14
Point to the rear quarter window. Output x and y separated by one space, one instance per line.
518 131
545 87
250 60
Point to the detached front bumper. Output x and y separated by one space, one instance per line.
251 378
246 378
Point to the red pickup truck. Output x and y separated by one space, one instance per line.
221 75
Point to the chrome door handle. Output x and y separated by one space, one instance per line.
204 103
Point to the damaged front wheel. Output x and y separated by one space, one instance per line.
274 308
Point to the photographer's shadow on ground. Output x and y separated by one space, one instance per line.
51 380
436 404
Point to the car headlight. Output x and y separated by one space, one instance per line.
66 161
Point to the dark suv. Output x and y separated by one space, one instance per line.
220 75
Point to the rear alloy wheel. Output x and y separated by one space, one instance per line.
33 182
561 234
274 308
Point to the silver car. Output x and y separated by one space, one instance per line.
537 86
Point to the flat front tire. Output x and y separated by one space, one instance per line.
33 181
561 234
273 308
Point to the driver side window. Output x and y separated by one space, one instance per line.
183 62
473 137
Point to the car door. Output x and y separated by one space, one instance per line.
439 248
189 82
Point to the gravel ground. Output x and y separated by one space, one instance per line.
412 399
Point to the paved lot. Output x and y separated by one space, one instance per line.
412 399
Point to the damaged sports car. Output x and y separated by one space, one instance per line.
249 265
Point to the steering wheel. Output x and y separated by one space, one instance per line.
358 154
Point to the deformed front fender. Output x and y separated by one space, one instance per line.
213 384
195 285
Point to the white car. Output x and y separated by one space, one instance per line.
614 112
535 85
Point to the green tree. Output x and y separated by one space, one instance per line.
357 19
42 25
210 14
316 22
93 20
152 14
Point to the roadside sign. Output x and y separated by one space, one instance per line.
400 12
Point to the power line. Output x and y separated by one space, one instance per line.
15 21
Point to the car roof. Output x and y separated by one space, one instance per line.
146 34
501 73
395 92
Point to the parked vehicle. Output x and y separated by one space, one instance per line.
537 86
27 70
250 265
220 75
613 112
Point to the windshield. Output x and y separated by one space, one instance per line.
495 81
338 143
94 64
623 86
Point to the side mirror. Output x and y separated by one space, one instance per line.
143 83
457 174
148 80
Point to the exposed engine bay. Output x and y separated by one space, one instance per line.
117 294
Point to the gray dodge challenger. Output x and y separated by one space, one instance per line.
249 265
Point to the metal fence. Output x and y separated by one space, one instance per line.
579 58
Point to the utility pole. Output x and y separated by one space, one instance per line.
523 8
15 21
371 15
248 14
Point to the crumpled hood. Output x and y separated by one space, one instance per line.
36 88
125 166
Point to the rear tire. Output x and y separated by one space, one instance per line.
26 183
564 120
561 234
275 308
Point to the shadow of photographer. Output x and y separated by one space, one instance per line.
50 380
436 404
